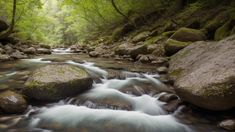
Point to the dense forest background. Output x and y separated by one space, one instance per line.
71 21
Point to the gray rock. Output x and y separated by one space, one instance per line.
162 70
11 102
93 54
4 57
204 74
30 50
168 97
137 50
54 82
228 124
8 48
43 51
18 55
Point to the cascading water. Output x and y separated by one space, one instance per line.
82 113
126 102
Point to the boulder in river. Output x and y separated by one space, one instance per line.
54 82
204 74
11 102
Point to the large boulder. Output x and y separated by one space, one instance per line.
54 82
204 74
3 25
11 102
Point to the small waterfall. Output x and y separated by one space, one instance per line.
62 51
95 71
143 113
81 118
118 105
37 60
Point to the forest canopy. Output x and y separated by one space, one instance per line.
69 21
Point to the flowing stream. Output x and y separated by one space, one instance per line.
128 101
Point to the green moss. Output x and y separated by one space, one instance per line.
32 84
223 31
151 40
173 46
186 14
175 43
168 33
176 73
117 33
218 90
159 38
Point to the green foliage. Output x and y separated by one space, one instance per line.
69 21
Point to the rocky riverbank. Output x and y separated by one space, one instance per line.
21 50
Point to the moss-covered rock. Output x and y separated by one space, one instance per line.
188 35
225 30
119 32
141 36
54 82
173 46
204 74
11 102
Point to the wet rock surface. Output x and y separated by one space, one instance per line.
11 102
204 74
54 82
228 124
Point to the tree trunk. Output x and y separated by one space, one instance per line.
126 17
11 28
